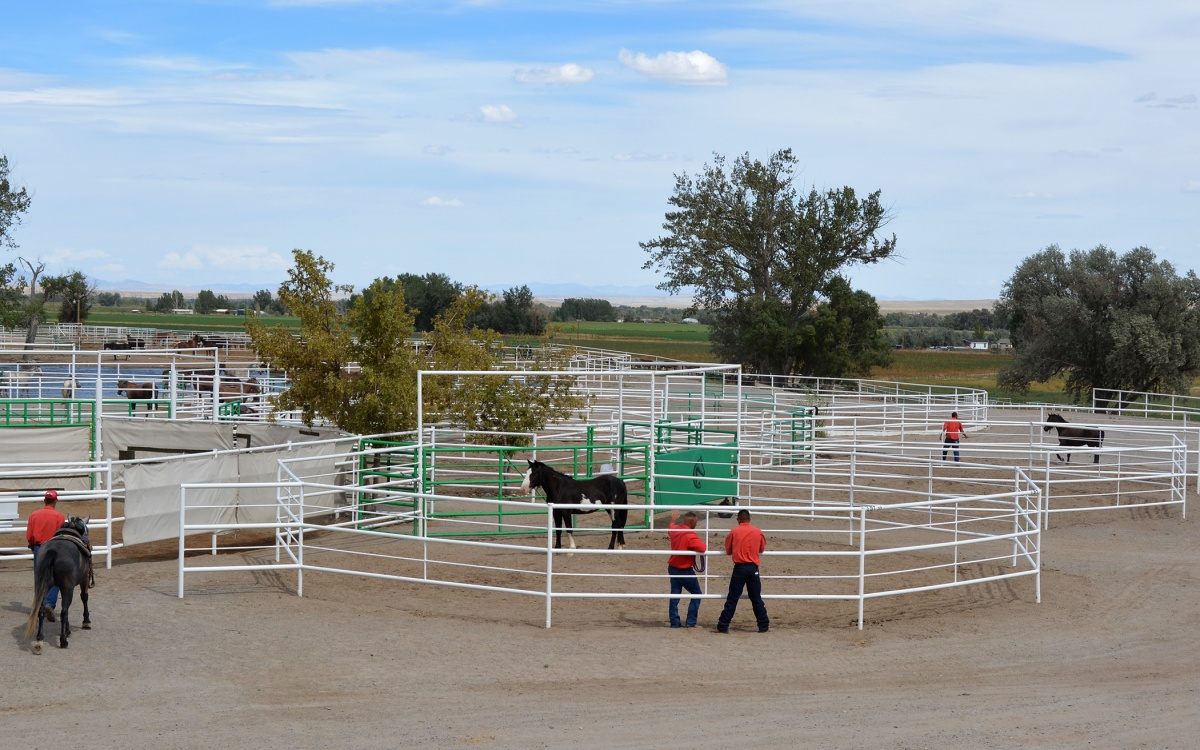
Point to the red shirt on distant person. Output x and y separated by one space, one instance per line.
44 522
953 429
745 543
683 539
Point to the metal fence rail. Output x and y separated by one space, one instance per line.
881 549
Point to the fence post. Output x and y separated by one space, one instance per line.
300 547
862 564
182 505
549 562
108 510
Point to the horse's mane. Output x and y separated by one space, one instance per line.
553 471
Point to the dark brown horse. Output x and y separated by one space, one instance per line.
1075 437
117 346
139 392
195 342
64 561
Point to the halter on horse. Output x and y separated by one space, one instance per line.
64 561
605 489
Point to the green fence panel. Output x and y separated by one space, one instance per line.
695 475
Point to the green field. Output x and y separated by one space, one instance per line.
681 341
103 316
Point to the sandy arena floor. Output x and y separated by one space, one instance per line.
1107 660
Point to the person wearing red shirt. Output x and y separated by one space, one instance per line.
745 543
952 432
38 530
681 568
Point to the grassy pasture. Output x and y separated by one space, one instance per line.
104 316
682 341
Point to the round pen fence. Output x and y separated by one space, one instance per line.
818 551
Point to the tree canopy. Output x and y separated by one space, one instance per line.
357 368
586 308
1100 320
75 294
762 256
14 202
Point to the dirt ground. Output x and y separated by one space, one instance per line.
1107 660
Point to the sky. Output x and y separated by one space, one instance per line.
195 144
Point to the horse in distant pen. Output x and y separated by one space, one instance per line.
195 342
138 392
64 561
1075 437
117 346
17 383
605 489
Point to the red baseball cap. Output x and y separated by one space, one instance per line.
51 495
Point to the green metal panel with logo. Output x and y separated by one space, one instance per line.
695 475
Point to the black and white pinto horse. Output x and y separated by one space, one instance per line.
1075 437
64 561
561 489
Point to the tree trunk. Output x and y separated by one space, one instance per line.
30 337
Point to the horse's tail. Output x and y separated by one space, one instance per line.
43 580
620 497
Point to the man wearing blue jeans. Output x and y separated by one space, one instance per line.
40 529
745 543
681 567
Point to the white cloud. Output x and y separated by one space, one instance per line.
694 68
438 150
1193 186
569 73
643 156
497 113
68 257
435 201
245 258
186 261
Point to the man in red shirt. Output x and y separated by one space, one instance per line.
745 543
952 433
681 568
38 530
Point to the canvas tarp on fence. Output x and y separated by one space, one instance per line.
257 504
152 489
122 440
152 495
258 434
30 445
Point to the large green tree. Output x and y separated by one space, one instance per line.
762 256
356 368
586 308
1100 320
14 201
75 295
428 296
206 302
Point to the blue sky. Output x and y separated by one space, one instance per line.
194 144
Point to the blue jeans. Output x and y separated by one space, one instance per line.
745 576
52 594
950 442
683 579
